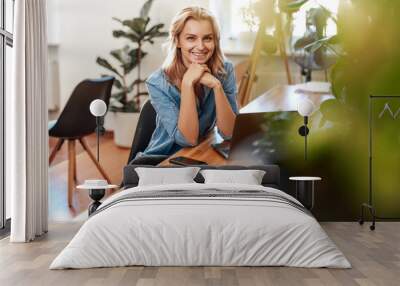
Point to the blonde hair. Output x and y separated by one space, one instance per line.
173 65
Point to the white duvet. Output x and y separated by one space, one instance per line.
200 231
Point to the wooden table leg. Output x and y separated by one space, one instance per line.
71 164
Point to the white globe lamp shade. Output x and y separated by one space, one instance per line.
98 107
305 107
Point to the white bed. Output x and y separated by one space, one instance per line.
205 230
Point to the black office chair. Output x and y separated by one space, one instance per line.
76 122
144 131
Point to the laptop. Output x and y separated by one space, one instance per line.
259 136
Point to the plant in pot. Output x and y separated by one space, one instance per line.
125 101
310 51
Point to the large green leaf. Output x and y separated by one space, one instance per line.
146 24
291 6
315 45
333 40
117 54
130 24
119 95
154 32
118 20
122 34
137 25
117 83
305 41
158 35
144 12
154 29
105 64
124 56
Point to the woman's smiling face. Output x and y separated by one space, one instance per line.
196 41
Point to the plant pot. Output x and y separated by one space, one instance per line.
109 121
124 128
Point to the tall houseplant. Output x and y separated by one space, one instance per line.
125 101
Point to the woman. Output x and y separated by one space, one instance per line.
195 88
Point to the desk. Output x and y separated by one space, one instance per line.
282 98
279 98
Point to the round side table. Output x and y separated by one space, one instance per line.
305 187
96 193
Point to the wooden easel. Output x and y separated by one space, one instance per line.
249 76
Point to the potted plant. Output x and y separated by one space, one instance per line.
310 51
125 101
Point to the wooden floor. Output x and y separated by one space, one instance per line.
112 158
375 257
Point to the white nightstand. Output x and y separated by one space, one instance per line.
305 190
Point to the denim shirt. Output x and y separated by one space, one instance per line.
166 98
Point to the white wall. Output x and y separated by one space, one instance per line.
83 31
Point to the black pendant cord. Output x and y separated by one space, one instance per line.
305 145
303 131
305 137
97 139
97 194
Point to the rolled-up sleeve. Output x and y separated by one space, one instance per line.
168 113
230 89
229 85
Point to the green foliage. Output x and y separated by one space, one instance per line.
368 64
315 50
126 59
291 6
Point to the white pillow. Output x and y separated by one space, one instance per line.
248 177
163 176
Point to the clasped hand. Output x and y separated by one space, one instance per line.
200 73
